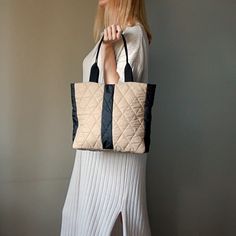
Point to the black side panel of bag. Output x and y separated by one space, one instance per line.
148 114
74 111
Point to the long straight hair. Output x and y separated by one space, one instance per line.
122 12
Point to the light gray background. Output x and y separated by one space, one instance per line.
191 167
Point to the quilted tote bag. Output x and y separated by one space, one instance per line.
112 117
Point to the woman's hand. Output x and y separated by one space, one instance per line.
111 34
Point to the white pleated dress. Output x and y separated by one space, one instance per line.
104 184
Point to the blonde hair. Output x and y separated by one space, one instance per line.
122 12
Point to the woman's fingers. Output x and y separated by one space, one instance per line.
105 39
113 27
118 32
109 33
112 33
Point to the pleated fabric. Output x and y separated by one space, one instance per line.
104 185
100 188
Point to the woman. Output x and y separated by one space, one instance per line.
107 190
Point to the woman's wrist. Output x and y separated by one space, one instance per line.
107 45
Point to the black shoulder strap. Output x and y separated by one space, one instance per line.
94 71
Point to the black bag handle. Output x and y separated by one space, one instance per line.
94 71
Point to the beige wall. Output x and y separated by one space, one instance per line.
42 45
191 168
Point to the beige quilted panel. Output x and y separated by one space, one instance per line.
127 119
89 98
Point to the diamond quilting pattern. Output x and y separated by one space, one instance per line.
127 116
89 97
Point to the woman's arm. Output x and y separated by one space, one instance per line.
110 74
111 34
